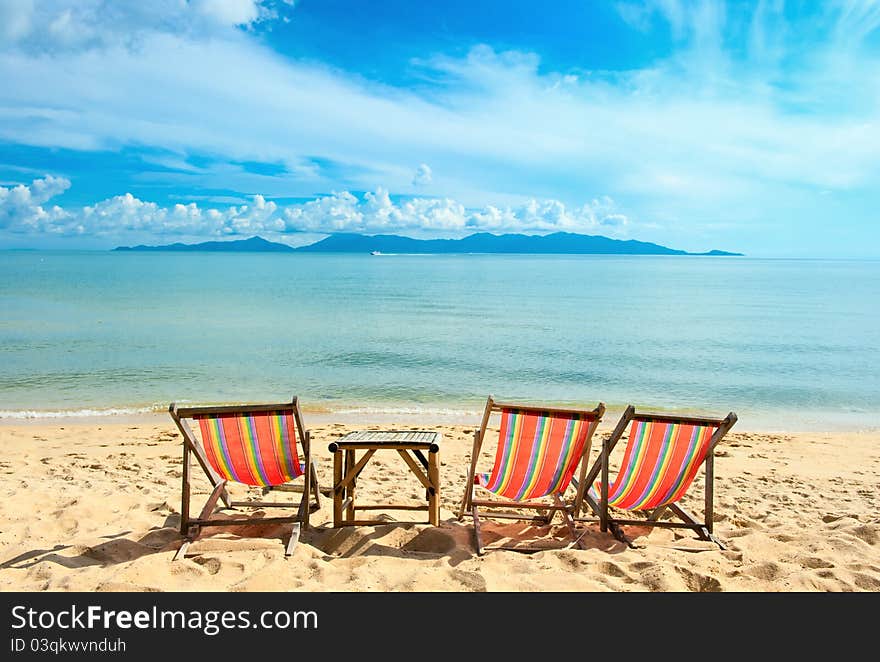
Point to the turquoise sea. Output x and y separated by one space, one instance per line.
787 344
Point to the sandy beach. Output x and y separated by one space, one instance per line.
94 506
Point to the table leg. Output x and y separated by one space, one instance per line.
338 493
349 464
434 492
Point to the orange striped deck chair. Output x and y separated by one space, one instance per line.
252 445
537 453
662 457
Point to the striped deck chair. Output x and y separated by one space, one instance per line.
663 455
537 453
254 445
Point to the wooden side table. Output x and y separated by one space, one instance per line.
409 444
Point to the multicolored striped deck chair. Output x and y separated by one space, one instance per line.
538 451
663 455
254 445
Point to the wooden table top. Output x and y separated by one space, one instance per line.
390 437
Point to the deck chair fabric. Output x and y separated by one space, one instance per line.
252 448
663 456
253 445
534 453
537 453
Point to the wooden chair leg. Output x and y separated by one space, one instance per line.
593 504
469 486
701 529
545 517
193 530
657 513
685 516
219 489
569 521
617 532
315 487
302 513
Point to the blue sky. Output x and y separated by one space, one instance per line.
698 124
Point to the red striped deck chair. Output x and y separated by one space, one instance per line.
538 450
253 445
663 455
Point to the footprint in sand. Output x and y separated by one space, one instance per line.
471 581
834 518
765 571
209 563
697 582
866 582
613 570
812 562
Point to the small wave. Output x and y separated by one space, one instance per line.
78 413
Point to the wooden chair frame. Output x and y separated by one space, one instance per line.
601 465
190 527
471 503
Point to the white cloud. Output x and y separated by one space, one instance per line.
491 112
64 25
229 12
699 19
716 131
248 219
376 213
423 175
21 207
42 190
126 212
373 213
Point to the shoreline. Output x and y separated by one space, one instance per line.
832 422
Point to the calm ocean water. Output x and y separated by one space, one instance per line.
784 343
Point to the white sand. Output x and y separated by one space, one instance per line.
94 506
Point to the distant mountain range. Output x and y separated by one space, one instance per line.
252 245
482 242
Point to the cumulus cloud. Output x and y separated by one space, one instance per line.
423 175
375 212
554 216
126 213
21 207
